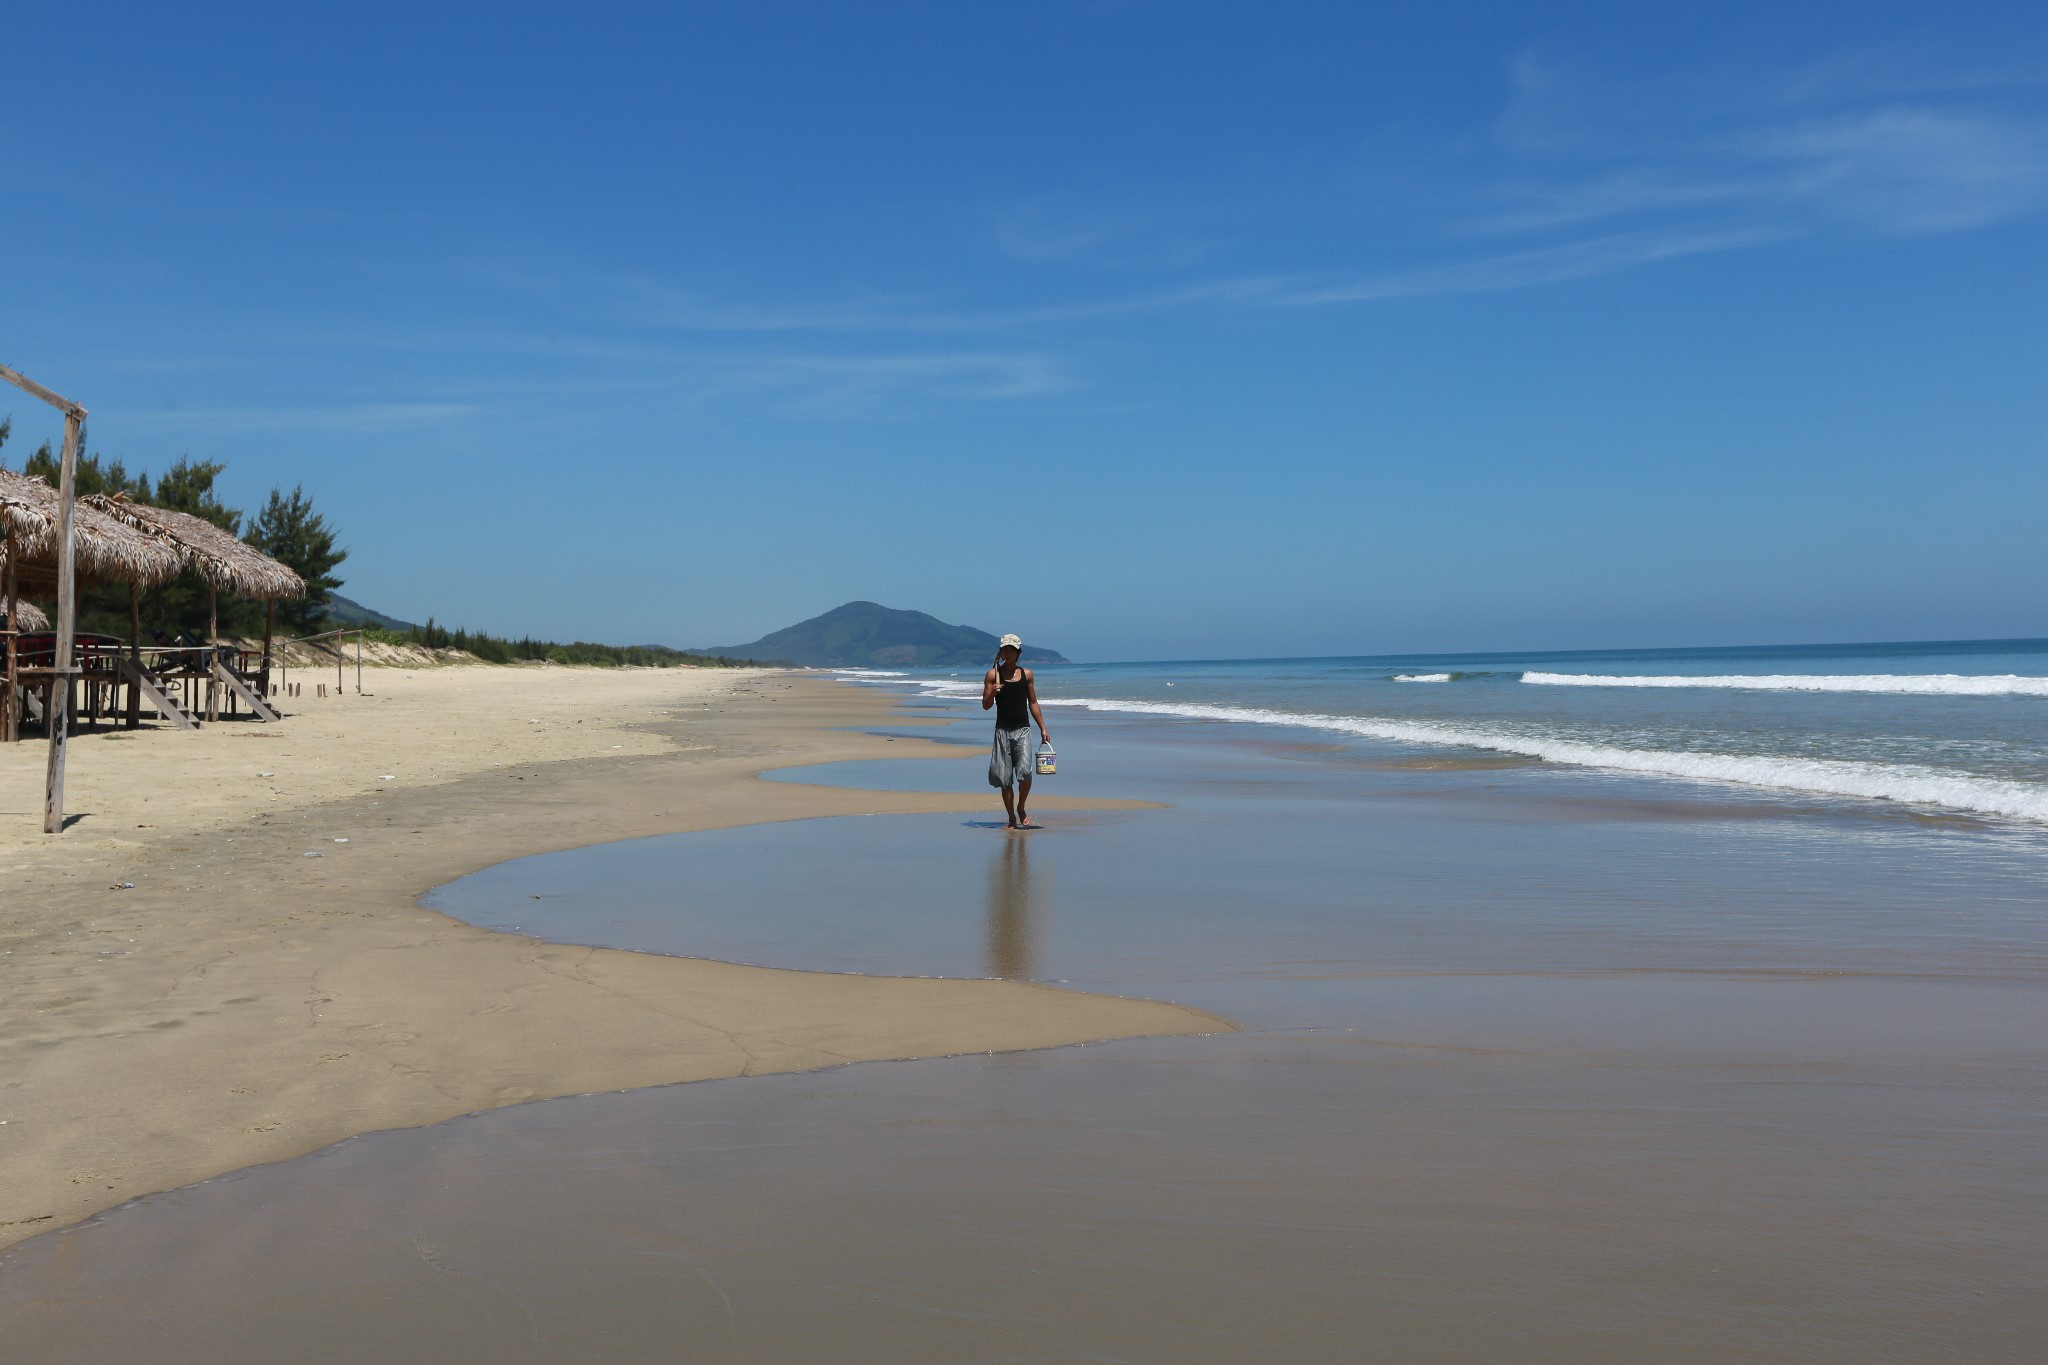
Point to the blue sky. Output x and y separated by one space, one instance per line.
1149 330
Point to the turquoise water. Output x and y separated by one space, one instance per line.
1953 726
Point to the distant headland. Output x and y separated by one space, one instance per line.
868 635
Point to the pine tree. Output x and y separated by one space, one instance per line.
183 605
291 532
187 486
95 473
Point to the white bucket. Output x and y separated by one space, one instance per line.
1048 761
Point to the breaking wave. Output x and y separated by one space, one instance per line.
1907 684
1422 677
1910 784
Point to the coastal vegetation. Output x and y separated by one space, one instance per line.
287 529
497 649
290 530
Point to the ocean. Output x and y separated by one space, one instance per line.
1681 1006
1951 726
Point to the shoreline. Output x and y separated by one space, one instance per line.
245 1003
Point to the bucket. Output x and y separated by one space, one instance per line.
1048 761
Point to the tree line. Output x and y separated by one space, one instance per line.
498 649
287 529
291 532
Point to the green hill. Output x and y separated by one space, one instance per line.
342 612
865 635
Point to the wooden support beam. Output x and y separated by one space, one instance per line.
212 644
67 608
67 611
29 386
10 705
134 717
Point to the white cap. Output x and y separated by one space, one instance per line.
1011 642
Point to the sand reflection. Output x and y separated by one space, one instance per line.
1014 911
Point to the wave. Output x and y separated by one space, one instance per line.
868 673
1907 684
1909 784
1422 677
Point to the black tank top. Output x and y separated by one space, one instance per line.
1013 702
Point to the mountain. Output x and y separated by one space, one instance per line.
342 612
866 635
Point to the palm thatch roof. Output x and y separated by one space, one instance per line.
101 547
229 564
27 615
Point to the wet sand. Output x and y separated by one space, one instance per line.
1728 1084
245 1002
1175 1202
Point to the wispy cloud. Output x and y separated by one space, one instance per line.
1576 260
1908 170
1577 178
1867 141
1897 170
1063 230
363 417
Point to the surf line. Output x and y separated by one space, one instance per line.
1902 783
1902 684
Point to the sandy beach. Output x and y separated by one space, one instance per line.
223 961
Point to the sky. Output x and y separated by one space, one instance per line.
1148 330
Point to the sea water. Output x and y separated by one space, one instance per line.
1558 1043
1957 726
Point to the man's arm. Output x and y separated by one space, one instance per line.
1031 685
989 683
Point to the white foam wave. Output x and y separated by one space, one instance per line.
1910 684
1907 783
1422 677
942 687
868 673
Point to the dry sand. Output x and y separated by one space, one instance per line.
244 1002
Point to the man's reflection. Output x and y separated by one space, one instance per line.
1012 910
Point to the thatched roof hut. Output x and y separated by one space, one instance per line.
102 548
223 561
27 616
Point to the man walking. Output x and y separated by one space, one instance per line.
1011 690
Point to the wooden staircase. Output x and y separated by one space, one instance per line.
159 696
258 707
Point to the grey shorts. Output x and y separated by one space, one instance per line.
1011 759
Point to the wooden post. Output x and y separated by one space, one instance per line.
67 620
10 708
134 717
212 641
269 624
